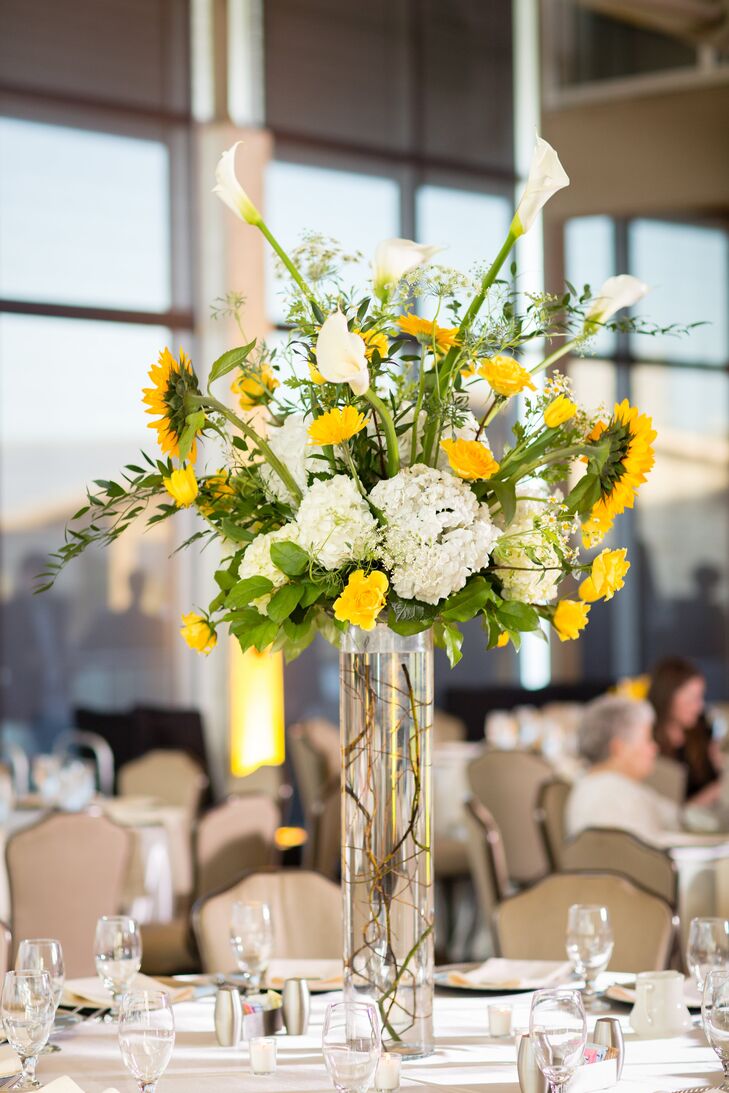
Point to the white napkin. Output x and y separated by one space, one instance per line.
68 1085
9 1061
91 992
500 974
323 975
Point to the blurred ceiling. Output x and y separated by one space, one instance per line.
704 22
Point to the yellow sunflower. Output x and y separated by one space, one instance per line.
172 380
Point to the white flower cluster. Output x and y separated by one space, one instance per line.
437 533
290 443
528 548
335 524
256 561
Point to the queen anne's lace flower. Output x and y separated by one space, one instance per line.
528 549
290 442
335 523
437 533
256 562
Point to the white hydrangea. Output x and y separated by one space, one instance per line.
290 443
529 550
437 533
256 562
335 523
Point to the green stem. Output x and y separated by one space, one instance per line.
274 243
553 457
418 405
489 278
270 457
393 454
554 357
352 469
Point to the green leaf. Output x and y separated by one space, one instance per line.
248 589
452 640
311 594
283 602
225 579
289 558
261 636
411 611
463 605
584 495
407 627
505 493
229 360
231 530
516 616
193 425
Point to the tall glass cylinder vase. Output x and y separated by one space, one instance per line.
386 711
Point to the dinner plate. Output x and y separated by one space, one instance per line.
625 993
443 982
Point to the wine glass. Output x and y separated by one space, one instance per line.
715 1015
707 948
146 1036
251 938
589 945
43 954
118 953
28 1010
351 1045
558 1030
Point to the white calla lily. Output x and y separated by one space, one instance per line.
616 293
546 177
396 257
341 355
229 189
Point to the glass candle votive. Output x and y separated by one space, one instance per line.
500 1020
387 1075
263 1054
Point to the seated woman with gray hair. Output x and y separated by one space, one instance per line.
616 738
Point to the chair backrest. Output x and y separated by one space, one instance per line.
169 775
609 848
486 858
532 924
314 746
447 729
668 778
551 805
76 741
306 915
64 873
508 782
236 836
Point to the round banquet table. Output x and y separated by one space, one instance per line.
465 1059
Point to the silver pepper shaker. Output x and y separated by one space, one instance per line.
608 1033
228 1016
296 1006
531 1079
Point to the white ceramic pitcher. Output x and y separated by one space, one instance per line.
659 1008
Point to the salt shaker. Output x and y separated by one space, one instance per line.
295 1001
228 1016
608 1033
531 1079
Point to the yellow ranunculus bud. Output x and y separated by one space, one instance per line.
198 633
559 410
503 640
253 389
606 576
469 459
570 616
362 599
315 375
505 375
336 426
182 486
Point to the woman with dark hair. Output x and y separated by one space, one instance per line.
682 730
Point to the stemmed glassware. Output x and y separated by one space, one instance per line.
351 1045
707 948
558 1031
251 939
146 1036
28 1010
589 944
715 1015
44 954
118 954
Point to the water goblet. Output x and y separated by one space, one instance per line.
146 1036
707 948
351 1045
558 1030
118 954
44 954
715 1016
27 1010
589 944
251 939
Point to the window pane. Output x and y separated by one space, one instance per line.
84 217
355 209
470 226
687 268
589 258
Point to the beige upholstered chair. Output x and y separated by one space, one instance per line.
315 754
608 848
233 838
551 805
6 948
75 742
447 729
508 782
669 779
486 857
169 775
531 925
64 873
306 914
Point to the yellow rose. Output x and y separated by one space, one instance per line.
469 459
570 616
253 389
182 486
559 410
336 426
606 576
198 633
362 599
505 375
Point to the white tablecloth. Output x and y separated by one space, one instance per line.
465 1059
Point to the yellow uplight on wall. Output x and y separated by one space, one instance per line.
256 711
